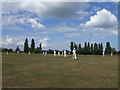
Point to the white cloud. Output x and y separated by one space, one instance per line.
44 42
103 19
7 40
14 41
103 22
114 32
46 9
35 24
72 35
115 0
11 21
82 14
61 1
20 43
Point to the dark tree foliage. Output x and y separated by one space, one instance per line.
10 50
85 48
50 51
26 47
95 48
92 49
75 46
17 49
88 48
32 45
79 49
101 48
40 47
108 48
6 50
118 52
71 46
113 50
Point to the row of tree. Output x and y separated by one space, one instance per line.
95 48
32 48
88 48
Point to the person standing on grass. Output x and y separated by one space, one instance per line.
54 53
46 53
103 53
111 54
65 53
29 52
74 54
58 53
7 52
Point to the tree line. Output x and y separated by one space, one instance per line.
27 49
88 48
93 48
32 48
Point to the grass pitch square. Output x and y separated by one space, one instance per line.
39 71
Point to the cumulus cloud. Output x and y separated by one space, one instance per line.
14 41
11 22
44 42
8 40
103 22
46 9
103 19
35 24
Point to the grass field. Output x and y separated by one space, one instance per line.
39 71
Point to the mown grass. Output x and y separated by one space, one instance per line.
39 71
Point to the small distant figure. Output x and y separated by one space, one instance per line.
7 53
69 53
62 53
54 53
74 54
103 53
45 53
111 54
58 53
17 51
65 53
29 53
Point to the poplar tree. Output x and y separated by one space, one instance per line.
26 48
108 48
17 49
79 48
71 46
32 45
92 49
85 48
95 48
101 49
88 48
40 47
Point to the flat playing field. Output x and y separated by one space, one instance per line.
39 71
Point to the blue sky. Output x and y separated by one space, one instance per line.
55 24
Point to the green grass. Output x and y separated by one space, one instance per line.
39 71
